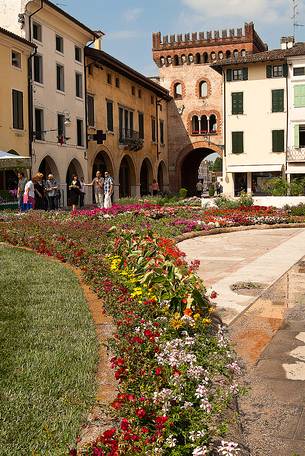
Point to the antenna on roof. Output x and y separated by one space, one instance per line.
295 14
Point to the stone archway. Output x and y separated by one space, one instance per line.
186 173
146 177
127 177
48 166
102 162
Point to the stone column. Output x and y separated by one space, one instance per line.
136 190
249 183
116 192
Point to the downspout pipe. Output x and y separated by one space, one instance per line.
30 83
85 85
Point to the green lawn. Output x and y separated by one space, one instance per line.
48 355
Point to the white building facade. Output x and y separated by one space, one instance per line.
58 86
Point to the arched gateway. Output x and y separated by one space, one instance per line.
187 165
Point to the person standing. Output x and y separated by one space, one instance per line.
39 191
51 189
22 180
82 193
29 195
74 188
155 188
108 190
98 187
199 188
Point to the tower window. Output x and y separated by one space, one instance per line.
203 89
178 91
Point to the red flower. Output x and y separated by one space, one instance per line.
158 371
140 413
213 295
145 430
116 405
124 424
109 433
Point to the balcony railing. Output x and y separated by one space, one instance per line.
296 154
131 139
204 132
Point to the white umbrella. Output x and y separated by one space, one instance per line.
12 161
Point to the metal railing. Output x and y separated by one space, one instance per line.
131 138
296 154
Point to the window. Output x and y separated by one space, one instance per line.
178 91
213 124
109 115
161 132
117 82
133 90
141 125
299 96
197 58
90 111
153 129
60 78
37 31
38 77
109 78
237 103
79 85
299 71
277 140
59 44
61 129
78 54
235 54
276 71
220 55
237 142
16 59
39 133
140 93
238 74
125 124
243 53
278 100
80 132
203 89
17 109
299 136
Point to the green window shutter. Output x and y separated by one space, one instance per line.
237 103
245 74
229 75
299 96
237 142
109 116
269 71
278 100
278 141
296 136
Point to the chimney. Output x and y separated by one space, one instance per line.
98 42
290 42
284 43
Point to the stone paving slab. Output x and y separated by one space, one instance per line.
265 255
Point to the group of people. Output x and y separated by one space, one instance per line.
36 193
200 188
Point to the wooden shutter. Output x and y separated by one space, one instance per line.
277 140
237 142
278 100
229 75
269 71
17 109
237 103
296 136
245 74
299 96
109 116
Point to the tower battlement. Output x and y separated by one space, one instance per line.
210 45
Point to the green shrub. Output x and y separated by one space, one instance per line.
298 210
276 186
182 193
224 202
245 199
297 187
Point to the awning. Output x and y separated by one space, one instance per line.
11 161
254 168
295 168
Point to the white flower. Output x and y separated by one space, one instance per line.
200 451
171 441
187 405
234 367
201 391
205 405
228 448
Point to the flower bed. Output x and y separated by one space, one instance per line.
170 355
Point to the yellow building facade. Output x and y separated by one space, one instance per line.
132 111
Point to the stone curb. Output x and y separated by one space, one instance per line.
233 229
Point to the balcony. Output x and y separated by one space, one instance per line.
131 139
296 154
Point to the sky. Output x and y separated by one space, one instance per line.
129 24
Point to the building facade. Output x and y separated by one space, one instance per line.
132 111
15 53
58 120
195 113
